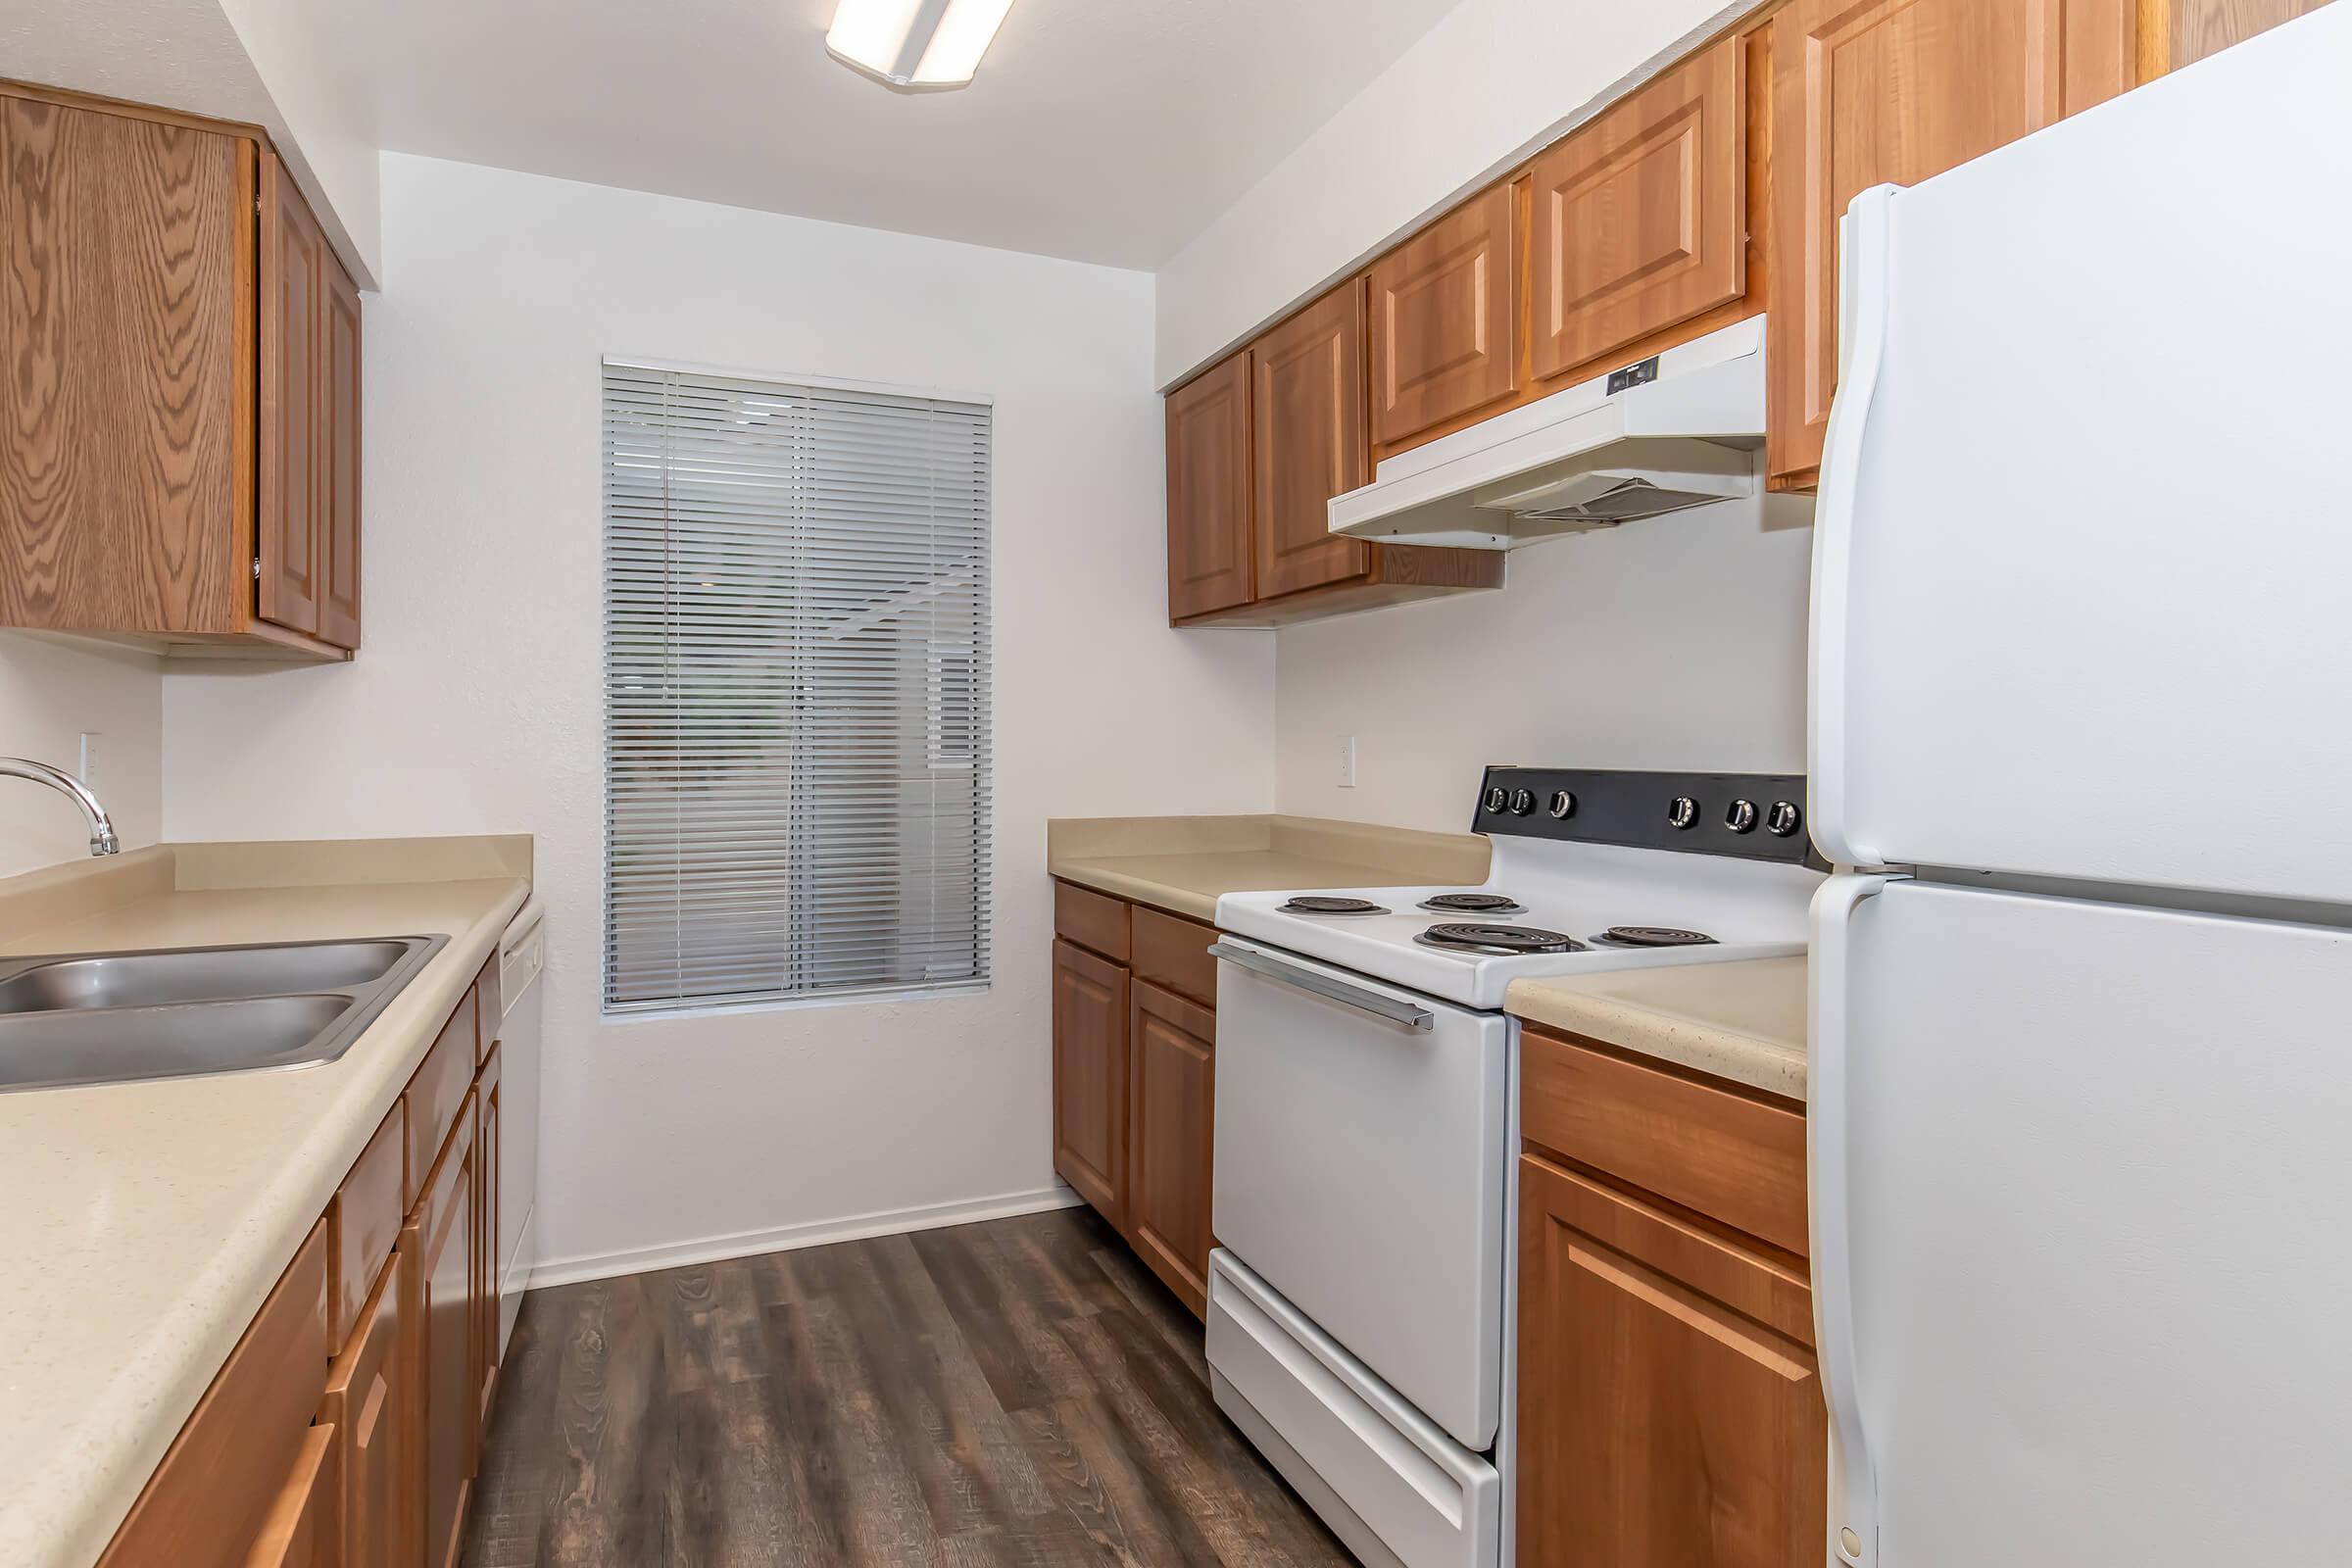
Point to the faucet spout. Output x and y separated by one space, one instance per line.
102 826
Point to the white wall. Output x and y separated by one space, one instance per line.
53 691
1492 81
312 57
1674 643
475 704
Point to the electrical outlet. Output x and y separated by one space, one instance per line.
87 772
1346 761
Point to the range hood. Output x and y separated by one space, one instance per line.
1680 429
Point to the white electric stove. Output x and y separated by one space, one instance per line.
1359 1326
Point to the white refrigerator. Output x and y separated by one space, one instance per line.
2080 737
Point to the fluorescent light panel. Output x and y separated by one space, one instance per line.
916 43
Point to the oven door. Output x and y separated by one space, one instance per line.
1363 1148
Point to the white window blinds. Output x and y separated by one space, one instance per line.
796 690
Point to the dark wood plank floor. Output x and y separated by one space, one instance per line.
1018 1393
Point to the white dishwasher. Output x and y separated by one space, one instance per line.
521 958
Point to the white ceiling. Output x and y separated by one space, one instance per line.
1103 130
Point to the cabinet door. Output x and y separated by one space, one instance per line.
1171 1106
293 314
1089 1078
488 1100
2195 28
339 457
1307 405
369 1400
304 1527
1640 218
1897 90
1208 491
1444 309
1670 1410
443 1346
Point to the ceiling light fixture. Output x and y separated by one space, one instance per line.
915 43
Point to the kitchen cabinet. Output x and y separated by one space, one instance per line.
1639 218
180 427
369 1400
1445 320
303 1528
1208 491
1089 1078
1172 1044
1307 409
442 1308
1670 1404
1897 90
2182 32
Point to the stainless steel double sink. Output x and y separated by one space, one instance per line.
115 1017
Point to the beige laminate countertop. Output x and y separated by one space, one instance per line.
142 1225
1743 1021
1183 864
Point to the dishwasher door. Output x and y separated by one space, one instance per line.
1363 1154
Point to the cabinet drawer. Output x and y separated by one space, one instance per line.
223 1476
1091 919
435 1094
1738 1160
364 1223
1173 951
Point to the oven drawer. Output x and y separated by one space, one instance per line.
1391 1486
1364 1139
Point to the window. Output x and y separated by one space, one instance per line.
796 690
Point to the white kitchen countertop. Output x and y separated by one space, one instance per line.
1743 1021
143 1224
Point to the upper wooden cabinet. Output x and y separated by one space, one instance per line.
1445 328
1208 491
178 414
2181 31
1899 90
1640 220
1306 408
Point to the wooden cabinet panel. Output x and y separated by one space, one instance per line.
1899 90
1089 1078
1670 1410
1734 1158
1172 952
2195 28
287 526
303 1525
1306 405
1640 218
1091 919
437 1091
1444 319
364 1223
488 1104
1172 1110
439 1260
369 1403
338 457
223 1476
125 472
1208 491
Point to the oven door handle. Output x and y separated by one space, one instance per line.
1401 1014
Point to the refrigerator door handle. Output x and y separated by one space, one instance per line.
1865 282
1853 1483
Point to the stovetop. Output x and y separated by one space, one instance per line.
1614 876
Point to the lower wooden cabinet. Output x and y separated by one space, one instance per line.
303 1525
1171 1109
1134 1077
1089 1078
443 1343
369 1396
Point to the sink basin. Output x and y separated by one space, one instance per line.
115 1017
196 974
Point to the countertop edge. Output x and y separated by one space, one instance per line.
1698 1045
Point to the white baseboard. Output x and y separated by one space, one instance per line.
788 1237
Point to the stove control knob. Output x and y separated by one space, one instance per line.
1497 798
1522 802
1782 819
1683 812
1741 817
1563 803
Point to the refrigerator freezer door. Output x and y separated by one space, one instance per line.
2084 544
2080 1212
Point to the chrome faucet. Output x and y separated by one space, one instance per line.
102 826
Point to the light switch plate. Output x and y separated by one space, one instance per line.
1347 779
91 758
